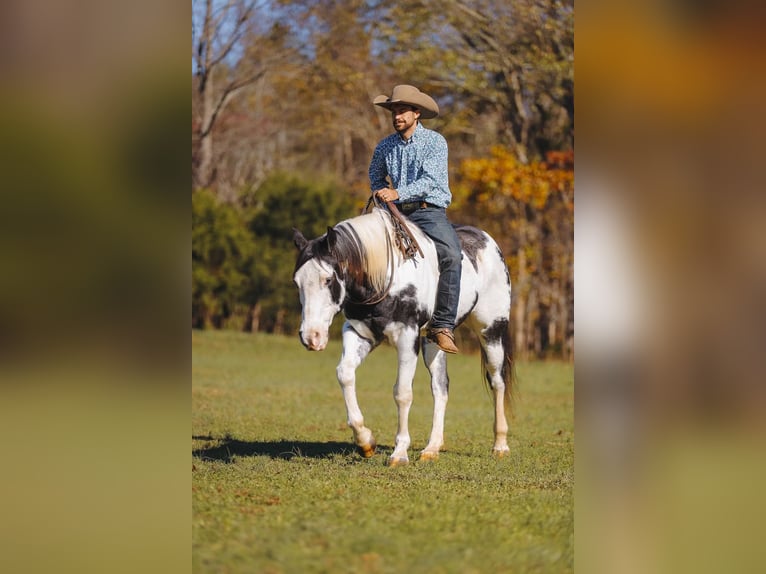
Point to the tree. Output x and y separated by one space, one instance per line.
529 209
235 43
333 96
505 68
222 250
282 202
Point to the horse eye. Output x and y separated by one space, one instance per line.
328 281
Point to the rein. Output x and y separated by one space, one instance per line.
377 298
405 240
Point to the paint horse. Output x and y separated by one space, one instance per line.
355 267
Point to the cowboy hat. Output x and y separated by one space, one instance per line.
410 95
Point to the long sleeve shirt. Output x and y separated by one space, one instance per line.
417 167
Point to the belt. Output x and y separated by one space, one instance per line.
410 206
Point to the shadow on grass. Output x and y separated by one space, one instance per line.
227 448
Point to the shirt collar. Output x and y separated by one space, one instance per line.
418 130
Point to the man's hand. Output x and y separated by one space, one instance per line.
387 194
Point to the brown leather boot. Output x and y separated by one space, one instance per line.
444 338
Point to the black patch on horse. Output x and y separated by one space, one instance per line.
316 248
400 307
472 240
497 331
507 274
335 289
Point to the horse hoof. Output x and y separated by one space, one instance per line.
501 452
367 450
394 462
428 456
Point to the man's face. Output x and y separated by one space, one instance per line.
404 117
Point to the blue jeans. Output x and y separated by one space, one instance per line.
434 223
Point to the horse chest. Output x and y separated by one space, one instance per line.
403 308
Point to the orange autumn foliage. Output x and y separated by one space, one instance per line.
489 183
529 209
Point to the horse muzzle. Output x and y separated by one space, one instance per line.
314 340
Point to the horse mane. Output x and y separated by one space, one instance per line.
364 248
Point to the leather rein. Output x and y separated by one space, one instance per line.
405 242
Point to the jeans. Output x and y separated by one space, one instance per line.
434 223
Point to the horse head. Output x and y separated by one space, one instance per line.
320 286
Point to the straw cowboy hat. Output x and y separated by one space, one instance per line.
409 95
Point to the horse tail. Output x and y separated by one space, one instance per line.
509 371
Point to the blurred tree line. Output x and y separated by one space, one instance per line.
283 130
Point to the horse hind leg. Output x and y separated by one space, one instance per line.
436 363
498 370
355 349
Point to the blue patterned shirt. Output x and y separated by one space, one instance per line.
417 167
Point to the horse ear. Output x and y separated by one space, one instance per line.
299 240
332 238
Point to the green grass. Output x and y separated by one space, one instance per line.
278 487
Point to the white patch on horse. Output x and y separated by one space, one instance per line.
362 329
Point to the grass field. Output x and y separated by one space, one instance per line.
278 487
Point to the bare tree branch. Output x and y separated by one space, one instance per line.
224 28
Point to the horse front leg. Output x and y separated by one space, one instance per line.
406 345
436 363
355 349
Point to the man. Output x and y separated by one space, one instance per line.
415 161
